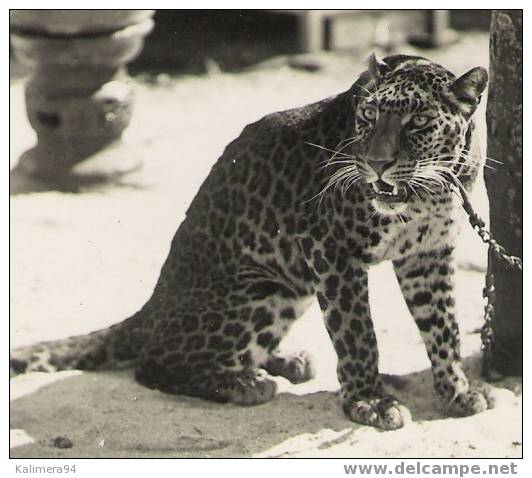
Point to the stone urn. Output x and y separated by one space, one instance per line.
79 98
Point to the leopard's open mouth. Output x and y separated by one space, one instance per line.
388 193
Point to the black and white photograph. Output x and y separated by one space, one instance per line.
266 233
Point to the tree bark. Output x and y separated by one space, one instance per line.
505 185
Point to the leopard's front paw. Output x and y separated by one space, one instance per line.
475 400
385 413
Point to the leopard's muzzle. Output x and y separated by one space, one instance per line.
389 193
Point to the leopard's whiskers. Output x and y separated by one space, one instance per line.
325 148
484 156
335 153
329 164
413 189
422 185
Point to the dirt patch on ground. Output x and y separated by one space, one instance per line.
116 417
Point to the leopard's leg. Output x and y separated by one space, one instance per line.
247 385
219 355
343 299
296 367
427 284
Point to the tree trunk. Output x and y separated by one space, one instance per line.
505 185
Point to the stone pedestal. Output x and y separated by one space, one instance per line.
79 98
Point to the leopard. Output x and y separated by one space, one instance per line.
298 208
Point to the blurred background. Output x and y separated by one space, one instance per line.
240 39
187 41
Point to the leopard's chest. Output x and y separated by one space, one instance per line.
399 241
391 239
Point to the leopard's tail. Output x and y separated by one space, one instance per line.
113 347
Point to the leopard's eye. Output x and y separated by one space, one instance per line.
419 120
369 113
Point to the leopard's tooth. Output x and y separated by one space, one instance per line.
395 191
374 184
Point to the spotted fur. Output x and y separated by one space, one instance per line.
297 207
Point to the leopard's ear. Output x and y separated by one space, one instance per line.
465 92
376 67
367 81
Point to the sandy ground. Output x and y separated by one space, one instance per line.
80 262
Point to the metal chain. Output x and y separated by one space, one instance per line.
479 225
486 332
495 250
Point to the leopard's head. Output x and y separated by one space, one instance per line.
412 130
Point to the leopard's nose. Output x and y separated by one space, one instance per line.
381 165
